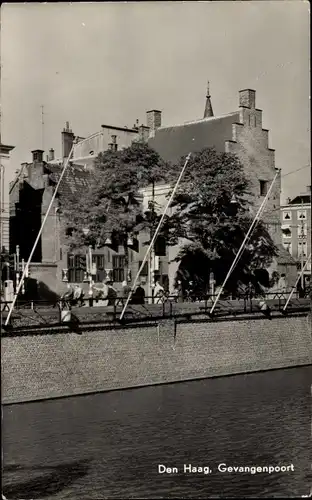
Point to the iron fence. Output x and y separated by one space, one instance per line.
94 311
160 300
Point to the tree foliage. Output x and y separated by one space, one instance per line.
111 206
213 227
204 218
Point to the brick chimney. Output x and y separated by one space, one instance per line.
35 170
153 119
247 98
67 141
37 155
51 154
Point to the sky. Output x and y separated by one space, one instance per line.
108 63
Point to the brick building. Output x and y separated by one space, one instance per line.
52 264
239 132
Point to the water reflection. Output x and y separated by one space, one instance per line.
258 419
42 481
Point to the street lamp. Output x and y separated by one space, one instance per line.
86 231
108 241
2 210
151 216
130 241
234 200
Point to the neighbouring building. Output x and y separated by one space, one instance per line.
296 229
239 132
53 265
85 150
5 151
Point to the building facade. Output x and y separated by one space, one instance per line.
5 151
296 229
53 265
239 132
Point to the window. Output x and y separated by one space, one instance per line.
263 188
99 262
160 246
286 231
144 271
76 268
302 231
302 249
287 215
118 268
287 246
302 214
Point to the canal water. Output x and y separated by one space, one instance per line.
109 445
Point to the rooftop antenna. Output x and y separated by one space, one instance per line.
42 127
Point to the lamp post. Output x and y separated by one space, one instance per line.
86 231
2 210
151 268
302 246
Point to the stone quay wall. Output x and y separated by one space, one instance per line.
52 365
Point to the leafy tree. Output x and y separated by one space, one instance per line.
111 206
213 226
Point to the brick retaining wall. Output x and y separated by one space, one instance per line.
65 364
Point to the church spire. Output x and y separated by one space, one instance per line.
208 108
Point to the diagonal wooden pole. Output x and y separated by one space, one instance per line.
155 235
38 237
297 281
242 247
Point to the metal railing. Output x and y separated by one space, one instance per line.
91 310
158 300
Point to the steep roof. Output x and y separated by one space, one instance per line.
301 198
173 142
76 178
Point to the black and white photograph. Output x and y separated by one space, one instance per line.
155 250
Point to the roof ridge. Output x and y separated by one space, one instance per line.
201 120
